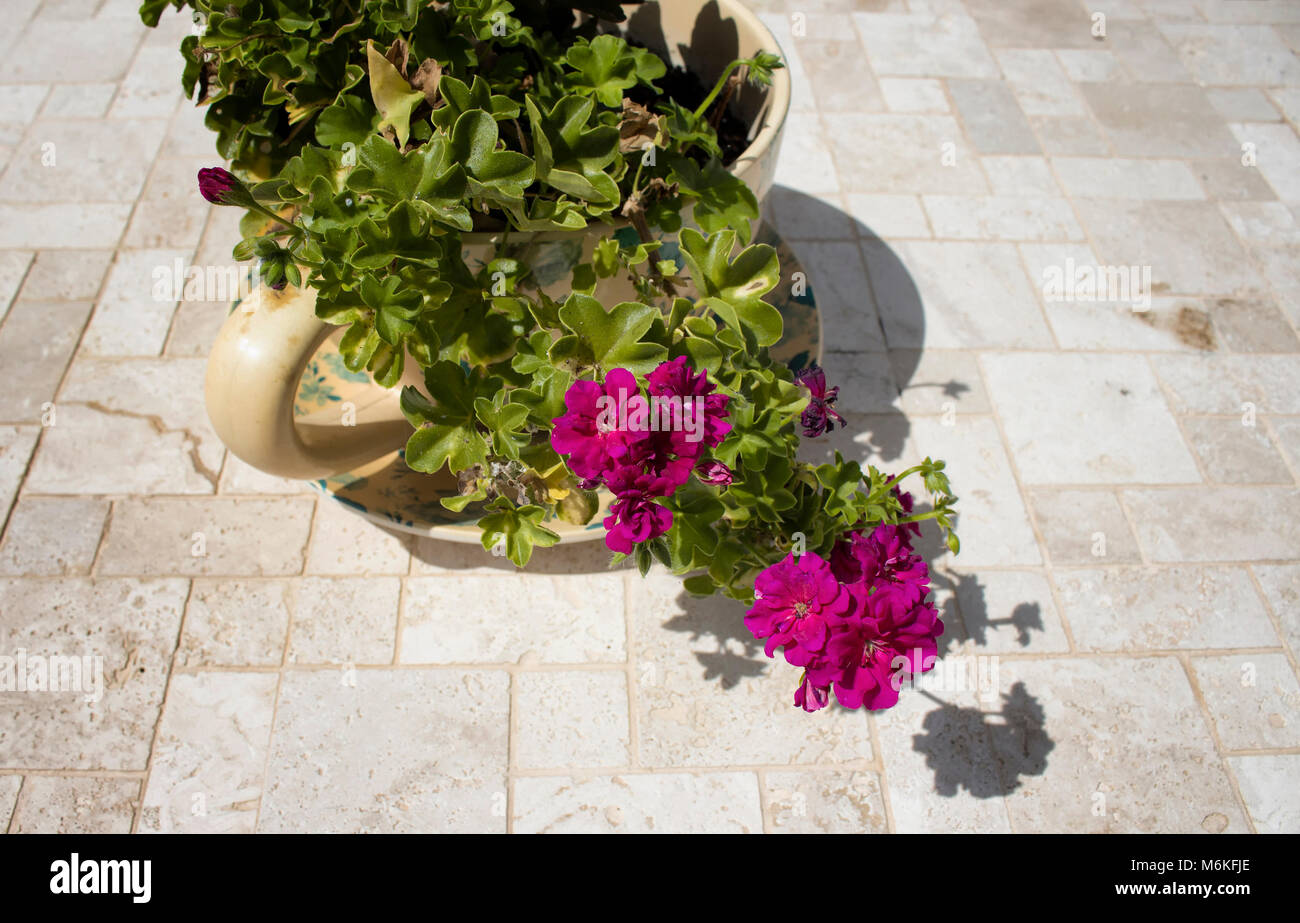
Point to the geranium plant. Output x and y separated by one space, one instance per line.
368 138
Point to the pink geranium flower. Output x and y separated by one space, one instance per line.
866 663
676 379
633 519
583 434
795 604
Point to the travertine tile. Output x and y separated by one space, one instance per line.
82 161
1146 55
1228 180
906 94
1224 384
891 153
1163 608
939 381
170 214
924 45
1088 66
1246 104
1232 453
840 76
9 786
889 216
798 217
808 166
865 381
1286 433
67 275
36 342
838 276
135 311
78 226
1002 218
1253 699
230 623
571 718
1032 23
1141 765
1224 54
993 120
1281 586
129 426
953 295
210 756
411 751
1069 136
1252 324
1268 787
16 444
1007 612
150 89
1159 120
1020 176
239 477
206 537
717 802
348 620
1118 178
128 628
1083 527
1040 84
1215 523
344 543
52 536
824 802
102 48
1277 155
50 804
79 100
1262 222
1114 398
478 619
14 266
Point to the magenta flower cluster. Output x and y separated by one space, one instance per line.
858 624
636 459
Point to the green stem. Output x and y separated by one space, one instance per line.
258 207
717 87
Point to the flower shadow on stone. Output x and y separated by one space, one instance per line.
730 651
984 753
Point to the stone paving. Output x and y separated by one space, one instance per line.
1130 574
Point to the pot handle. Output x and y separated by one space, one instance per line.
253 375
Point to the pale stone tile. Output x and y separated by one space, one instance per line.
1280 267
477 619
18 106
128 628
1215 523
994 121
1268 787
50 804
102 49
703 684
678 802
797 216
1067 136
1002 218
1145 54
1163 608
1088 66
1277 152
1229 180
202 537
82 161
67 275
9 786
1232 453
904 94
135 310
1007 612
806 163
941 770
865 381
1020 176
939 381
577 718
1040 84
1033 23
890 153
347 620
1246 104
81 226
1278 11
1241 55
825 802
239 477
924 45
1115 399
151 88
1144 767
890 216
210 756
1083 527
79 100
1226 384
130 426
170 213
954 295
839 75
1286 433
14 266
36 342
233 623
1159 120
1189 247
16 444
401 751
345 543
1262 222
52 536
1253 698
1286 98
779 22
1118 178
838 277
187 136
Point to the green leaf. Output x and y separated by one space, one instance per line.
349 120
427 177
394 97
722 200
518 530
505 424
499 176
571 156
605 67
734 289
606 339
445 433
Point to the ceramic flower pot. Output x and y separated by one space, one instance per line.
281 400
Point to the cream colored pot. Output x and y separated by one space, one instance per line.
260 355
